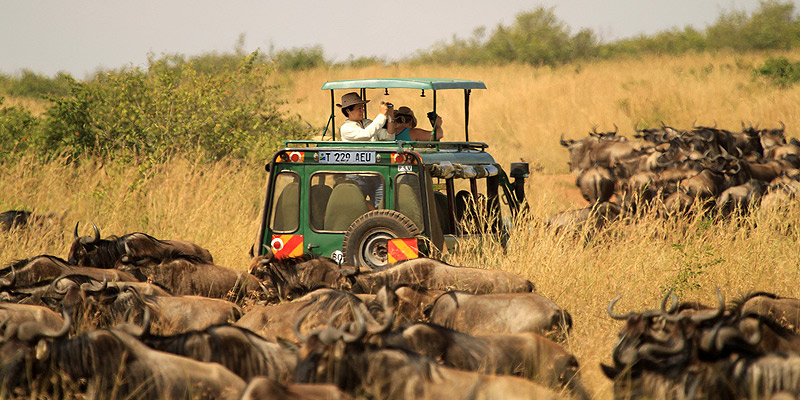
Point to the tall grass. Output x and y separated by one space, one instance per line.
521 116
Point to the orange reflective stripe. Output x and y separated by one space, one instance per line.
402 249
284 246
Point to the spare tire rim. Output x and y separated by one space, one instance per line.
375 249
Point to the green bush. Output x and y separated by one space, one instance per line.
171 108
17 130
300 58
31 84
779 71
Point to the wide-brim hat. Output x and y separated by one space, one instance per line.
406 111
351 99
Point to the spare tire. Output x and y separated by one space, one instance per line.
365 241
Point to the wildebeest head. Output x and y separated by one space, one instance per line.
84 248
20 349
332 354
661 344
290 278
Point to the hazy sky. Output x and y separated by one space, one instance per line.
80 36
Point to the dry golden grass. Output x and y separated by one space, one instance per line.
522 115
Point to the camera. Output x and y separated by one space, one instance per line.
390 105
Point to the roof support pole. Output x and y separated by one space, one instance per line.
333 118
433 120
466 114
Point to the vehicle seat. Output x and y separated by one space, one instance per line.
319 197
287 209
346 203
408 204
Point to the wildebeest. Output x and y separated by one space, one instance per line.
596 184
740 198
589 219
238 349
322 306
339 356
291 277
11 313
434 274
604 151
110 362
117 303
262 388
45 268
92 251
190 275
17 219
501 313
784 310
527 354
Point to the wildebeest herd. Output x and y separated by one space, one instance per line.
133 316
747 349
669 171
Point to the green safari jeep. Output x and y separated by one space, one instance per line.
368 204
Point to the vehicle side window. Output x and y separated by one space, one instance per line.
407 198
286 203
336 199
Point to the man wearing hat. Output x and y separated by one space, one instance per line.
358 128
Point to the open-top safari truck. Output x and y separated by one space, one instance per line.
368 204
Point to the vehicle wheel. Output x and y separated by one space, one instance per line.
365 242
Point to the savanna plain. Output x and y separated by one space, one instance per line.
521 116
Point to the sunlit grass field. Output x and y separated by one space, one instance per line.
521 116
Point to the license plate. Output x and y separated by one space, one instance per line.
346 157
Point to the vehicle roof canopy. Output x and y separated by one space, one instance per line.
404 83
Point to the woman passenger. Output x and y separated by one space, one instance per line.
405 126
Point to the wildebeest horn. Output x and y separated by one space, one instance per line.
147 316
699 318
650 350
674 305
31 331
9 282
89 287
783 126
564 142
75 233
610 310
96 232
146 320
55 282
361 329
616 129
388 313
296 327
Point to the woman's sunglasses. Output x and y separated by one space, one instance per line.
403 119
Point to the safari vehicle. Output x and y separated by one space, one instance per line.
368 204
